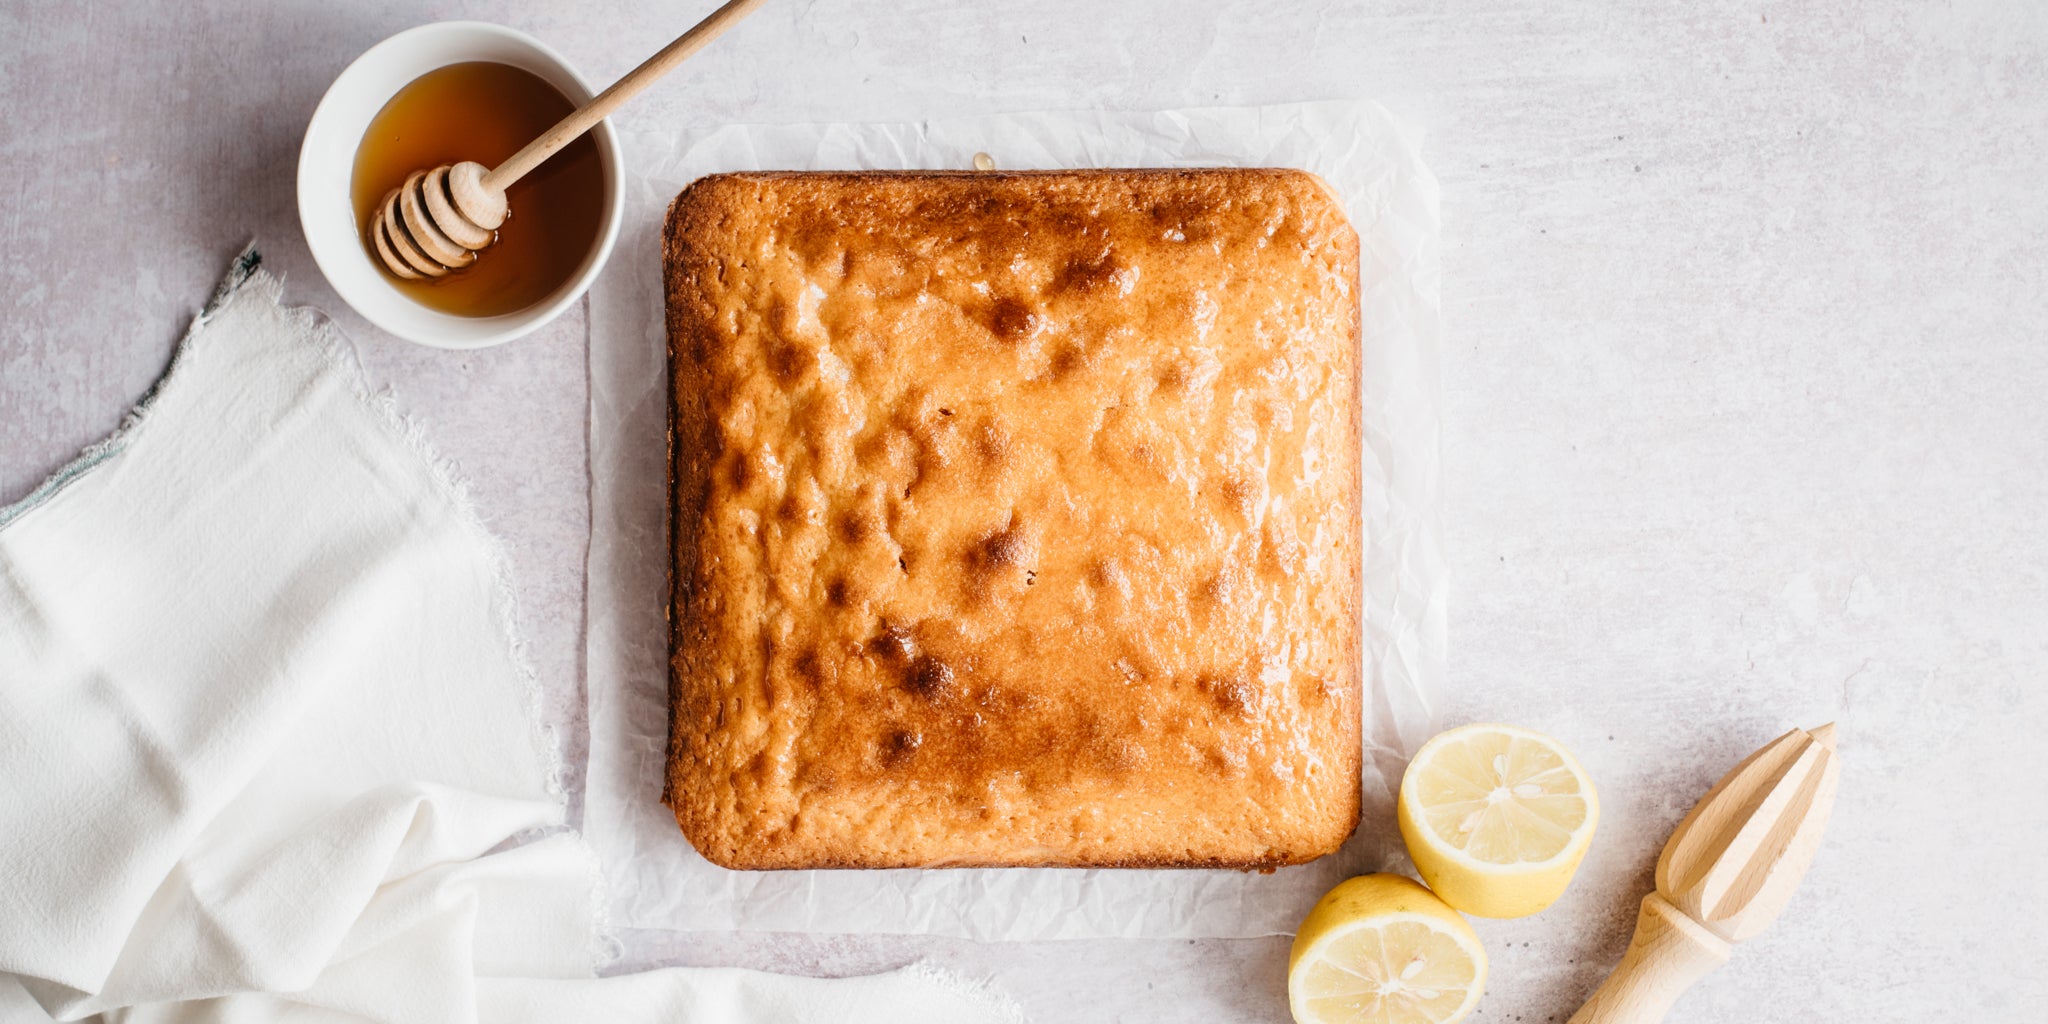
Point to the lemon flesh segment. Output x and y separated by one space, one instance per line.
1497 818
1401 972
1380 949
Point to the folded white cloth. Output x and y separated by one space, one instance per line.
266 743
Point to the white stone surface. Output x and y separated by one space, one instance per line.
1747 320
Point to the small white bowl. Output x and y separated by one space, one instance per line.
327 162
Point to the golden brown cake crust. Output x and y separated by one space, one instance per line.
1016 519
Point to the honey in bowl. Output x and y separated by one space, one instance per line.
486 112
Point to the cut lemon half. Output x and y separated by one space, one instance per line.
1497 818
1380 949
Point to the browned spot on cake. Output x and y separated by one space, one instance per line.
900 746
897 643
1223 590
1318 692
840 593
810 669
792 508
817 243
1000 559
991 442
1003 548
931 678
1233 696
788 361
1100 271
1071 359
1281 554
1184 221
737 470
1240 495
1106 573
856 526
1226 761
1012 321
874 450
1146 457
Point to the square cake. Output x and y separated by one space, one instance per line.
1015 519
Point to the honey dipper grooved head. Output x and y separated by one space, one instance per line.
441 207
412 210
381 243
398 241
435 222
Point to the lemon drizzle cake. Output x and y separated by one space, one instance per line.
1015 518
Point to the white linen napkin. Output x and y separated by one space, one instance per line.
266 742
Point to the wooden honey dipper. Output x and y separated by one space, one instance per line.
434 223
1725 875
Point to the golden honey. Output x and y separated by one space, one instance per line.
486 112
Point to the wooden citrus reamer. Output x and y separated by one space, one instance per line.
1725 875
435 222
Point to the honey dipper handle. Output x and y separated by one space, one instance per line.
584 118
1670 951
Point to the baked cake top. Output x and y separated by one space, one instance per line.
1016 518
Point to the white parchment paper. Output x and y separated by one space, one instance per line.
656 880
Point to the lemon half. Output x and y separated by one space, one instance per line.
1380 949
1497 818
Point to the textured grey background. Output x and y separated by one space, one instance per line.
1747 345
